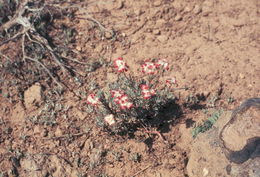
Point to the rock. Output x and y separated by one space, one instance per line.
162 38
178 17
207 7
29 164
241 76
58 132
59 167
44 133
231 147
157 3
160 23
138 12
187 9
120 4
156 31
33 96
79 48
243 126
197 9
79 114
30 167
109 34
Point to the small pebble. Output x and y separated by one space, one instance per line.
162 38
156 32
157 3
78 48
108 34
197 9
178 17
241 76
138 12
120 5
205 171
187 9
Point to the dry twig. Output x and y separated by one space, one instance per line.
137 173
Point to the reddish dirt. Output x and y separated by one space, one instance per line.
212 47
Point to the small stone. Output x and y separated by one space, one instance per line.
160 22
44 133
157 3
99 48
79 48
81 115
138 12
33 96
108 34
241 76
149 37
205 171
178 17
187 9
37 129
58 132
197 9
120 5
207 7
156 32
162 38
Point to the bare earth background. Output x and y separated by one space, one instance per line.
212 47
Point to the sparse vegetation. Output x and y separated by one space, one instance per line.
205 126
131 102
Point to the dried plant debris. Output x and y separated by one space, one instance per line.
37 54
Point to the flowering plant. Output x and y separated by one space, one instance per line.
134 100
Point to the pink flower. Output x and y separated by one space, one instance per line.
124 102
121 99
126 105
116 93
93 99
120 64
147 92
110 119
162 63
171 81
148 67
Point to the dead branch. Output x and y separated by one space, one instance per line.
137 173
46 69
33 36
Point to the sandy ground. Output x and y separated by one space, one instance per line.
212 47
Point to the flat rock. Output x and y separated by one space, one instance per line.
178 17
197 9
33 96
157 3
162 38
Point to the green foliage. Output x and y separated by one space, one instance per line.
207 124
136 157
133 102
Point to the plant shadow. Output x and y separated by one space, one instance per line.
168 115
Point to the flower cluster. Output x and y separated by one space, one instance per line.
110 119
162 63
92 99
127 87
147 92
171 81
149 67
121 99
120 65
